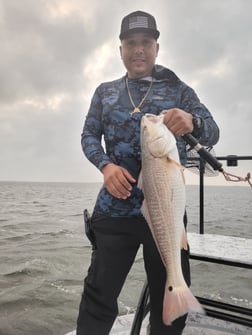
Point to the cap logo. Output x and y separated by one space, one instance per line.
138 22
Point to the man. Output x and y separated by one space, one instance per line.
117 223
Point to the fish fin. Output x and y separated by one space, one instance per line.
140 181
178 301
181 167
184 242
176 162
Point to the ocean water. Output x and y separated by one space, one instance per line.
44 253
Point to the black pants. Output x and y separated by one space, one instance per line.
117 241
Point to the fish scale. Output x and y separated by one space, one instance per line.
161 208
162 183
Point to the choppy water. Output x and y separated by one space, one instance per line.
44 254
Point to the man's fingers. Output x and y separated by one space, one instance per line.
118 181
122 185
178 121
128 179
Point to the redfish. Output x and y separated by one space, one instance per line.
162 182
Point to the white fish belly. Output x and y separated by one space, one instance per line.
164 193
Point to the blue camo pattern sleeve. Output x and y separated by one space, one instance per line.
191 104
92 134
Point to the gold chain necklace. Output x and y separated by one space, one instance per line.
137 108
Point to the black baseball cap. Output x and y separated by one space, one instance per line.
138 22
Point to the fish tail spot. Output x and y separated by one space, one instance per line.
170 288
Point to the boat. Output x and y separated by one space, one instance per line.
220 318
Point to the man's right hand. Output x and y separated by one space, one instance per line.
117 180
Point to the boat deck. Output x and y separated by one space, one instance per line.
228 250
196 325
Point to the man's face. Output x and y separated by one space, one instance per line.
139 52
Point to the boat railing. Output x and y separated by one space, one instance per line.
231 161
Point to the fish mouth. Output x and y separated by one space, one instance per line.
152 117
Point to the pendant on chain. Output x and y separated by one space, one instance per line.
136 110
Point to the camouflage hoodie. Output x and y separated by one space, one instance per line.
109 118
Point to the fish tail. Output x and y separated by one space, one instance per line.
178 301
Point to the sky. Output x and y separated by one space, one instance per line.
54 53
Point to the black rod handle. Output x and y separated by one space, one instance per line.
207 156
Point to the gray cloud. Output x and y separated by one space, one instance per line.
54 54
212 47
43 55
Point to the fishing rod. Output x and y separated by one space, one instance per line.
206 155
213 161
